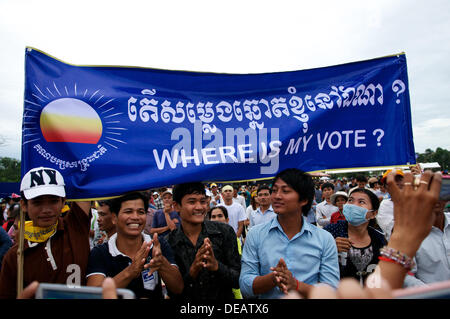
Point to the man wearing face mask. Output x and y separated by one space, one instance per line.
358 239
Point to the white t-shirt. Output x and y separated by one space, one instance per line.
385 217
236 214
249 211
240 200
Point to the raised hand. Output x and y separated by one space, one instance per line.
158 260
138 262
283 277
209 260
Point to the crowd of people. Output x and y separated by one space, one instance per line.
209 241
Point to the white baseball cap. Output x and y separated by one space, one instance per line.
42 181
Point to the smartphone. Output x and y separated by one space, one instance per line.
438 290
445 188
61 291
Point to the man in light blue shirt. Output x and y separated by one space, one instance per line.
287 253
264 212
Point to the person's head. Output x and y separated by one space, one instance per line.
438 208
42 195
327 190
15 231
227 192
218 214
167 197
361 181
235 190
398 178
367 199
338 199
129 213
155 195
263 194
292 190
373 183
15 198
190 202
105 217
254 200
213 187
209 196
13 211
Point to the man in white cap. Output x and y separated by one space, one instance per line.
56 249
236 212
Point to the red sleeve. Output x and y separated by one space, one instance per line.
334 218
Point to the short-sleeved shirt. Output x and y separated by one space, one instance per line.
62 257
360 261
209 285
159 220
108 261
236 214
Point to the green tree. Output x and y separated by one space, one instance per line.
9 169
442 156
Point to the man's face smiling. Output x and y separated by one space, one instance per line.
131 219
285 200
193 208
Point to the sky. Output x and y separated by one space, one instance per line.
232 37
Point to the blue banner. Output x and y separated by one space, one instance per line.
111 129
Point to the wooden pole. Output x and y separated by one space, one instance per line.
20 253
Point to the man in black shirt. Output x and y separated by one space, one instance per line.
205 251
133 259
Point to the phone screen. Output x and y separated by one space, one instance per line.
445 188
59 291
59 294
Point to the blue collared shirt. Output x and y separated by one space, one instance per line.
311 256
256 217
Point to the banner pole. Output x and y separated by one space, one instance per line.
20 256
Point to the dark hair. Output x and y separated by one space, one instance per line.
253 202
327 184
14 210
374 200
109 202
116 203
301 182
372 185
262 187
361 178
223 209
181 190
25 200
